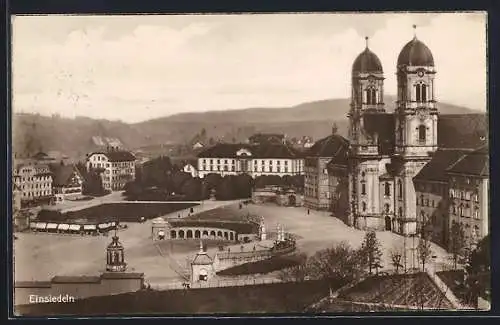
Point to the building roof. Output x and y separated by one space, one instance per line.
330 146
115 243
202 258
116 156
33 284
61 174
75 279
367 62
462 130
122 275
475 163
435 170
390 289
192 162
381 126
415 53
264 150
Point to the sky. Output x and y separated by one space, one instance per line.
134 68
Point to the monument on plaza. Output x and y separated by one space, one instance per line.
202 268
115 256
280 233
262 230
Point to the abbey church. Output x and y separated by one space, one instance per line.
396 168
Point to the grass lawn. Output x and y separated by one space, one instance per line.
125 212
261 267
269 298
226 213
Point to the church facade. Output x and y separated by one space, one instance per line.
389 149
393 157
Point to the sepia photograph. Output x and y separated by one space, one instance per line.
250 164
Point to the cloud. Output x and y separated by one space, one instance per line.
170 64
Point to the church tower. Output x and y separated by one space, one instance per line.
367 106
416 119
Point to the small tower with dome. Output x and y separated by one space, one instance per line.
202 268
115 256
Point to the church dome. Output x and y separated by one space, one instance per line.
415 53
366 62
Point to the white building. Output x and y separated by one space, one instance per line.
118 168
34 180
254 160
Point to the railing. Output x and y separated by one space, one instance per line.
215 284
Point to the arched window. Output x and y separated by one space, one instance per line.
421 133
363 206
400 189
387 189
400 211
421 92
386 208
371 96
363 188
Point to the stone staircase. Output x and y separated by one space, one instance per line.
444 288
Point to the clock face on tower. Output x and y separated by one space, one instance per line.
420 73
422 114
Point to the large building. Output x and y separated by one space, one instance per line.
402 166
254 160
117 167
34 180
469 194
325 169
432 188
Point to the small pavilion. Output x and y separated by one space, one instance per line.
115 256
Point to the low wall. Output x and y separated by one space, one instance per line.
77 287
226 260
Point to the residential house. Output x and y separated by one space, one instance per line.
117 167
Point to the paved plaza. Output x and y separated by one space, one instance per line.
41 256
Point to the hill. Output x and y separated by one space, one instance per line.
33 132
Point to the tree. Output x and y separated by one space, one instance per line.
457 242
396 258
225 189
371 251
243 186
211 181
478 272
93 183
296 273
424 251
340 264
191 188
177 179
156 172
